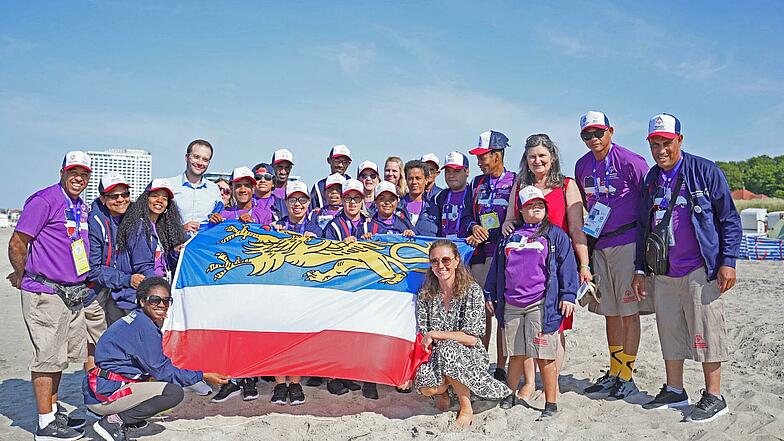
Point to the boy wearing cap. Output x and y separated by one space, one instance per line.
263 193
245 209
452 203
610 178
282 162
432 190
346 223
339 159
48 252
387 219
197 197
702 243
299 220
419 209
332 202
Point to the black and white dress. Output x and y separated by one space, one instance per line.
466 364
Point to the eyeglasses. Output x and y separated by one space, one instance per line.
598 134
115 196
341 160
364 176
225 191
302 200
157 300
445 261
263 176
352 198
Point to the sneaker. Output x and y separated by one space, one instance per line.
336 387
667 399
369 391
73 423
279 394
228 390
136 426
402 390
110 431
602 384
550 411
249 391
708 408
57 431
622 389
314 381
200 388
350 385
508 402
500 375
296 396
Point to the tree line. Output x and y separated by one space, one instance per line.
760 174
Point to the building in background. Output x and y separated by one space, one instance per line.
135 165
212 176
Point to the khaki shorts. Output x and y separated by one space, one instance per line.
140 392
690 318
523 333
59 335
480 270
615 268
95 317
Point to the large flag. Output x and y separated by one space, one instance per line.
251 302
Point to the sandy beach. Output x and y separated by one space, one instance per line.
753 384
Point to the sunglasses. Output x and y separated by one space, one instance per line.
445 261
225 191
115 196
364 176
264 177
598 134
352 198
302 200
157 300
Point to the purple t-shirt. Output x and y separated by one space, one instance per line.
258 213
625 171
451 212
48 219
493 195
414 209
527 257
280 192
685 255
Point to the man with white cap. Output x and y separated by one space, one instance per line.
48 252
688 238
339 159
610 178
299 219
246 207
197 197
452 203
434 166
282 162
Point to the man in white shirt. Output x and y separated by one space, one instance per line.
197 197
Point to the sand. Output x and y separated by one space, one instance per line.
753 384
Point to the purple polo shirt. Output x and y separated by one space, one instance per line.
685 256
625 171
47 218
280 192
260 215
451 212
526 257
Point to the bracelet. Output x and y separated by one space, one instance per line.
585 266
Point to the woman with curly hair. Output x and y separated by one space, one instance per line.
148 240
451 318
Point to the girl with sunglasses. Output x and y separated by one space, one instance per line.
264 192
367 174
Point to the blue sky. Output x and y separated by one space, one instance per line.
382 77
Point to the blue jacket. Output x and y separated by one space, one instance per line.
400 223
310 225
133 347
341 227
428 220
317 192
716 222
433 192
103 257
465 216
562 287
139 258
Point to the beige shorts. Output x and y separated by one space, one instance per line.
615 268
59 335
523 333
690 318
140 392
95 317
480 270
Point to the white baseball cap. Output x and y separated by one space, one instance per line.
77 158
340 150
385 186
431 157
456 160
334 179
161 184
593 119
353 185
296 187
530 193
282 155
367 165
241 173
111 180
664 125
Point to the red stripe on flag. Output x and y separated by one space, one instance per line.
336 354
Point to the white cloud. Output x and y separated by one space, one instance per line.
352 57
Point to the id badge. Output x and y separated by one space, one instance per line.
79 254
597 217
323 220
670 236
489 220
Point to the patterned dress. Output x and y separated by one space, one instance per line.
466 364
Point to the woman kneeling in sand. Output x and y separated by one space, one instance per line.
451 317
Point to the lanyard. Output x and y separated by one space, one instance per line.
252 206
606 176
445 214
668 177
76 214
299 228
493 188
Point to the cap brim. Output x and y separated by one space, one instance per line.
68 167
277 161
479 151
171 194
531 200
454 167
594 126
386 191
300 192
668 135
111 187
352 189
368 168
244 177
340 154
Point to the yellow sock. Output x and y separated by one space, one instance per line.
627 367
615 361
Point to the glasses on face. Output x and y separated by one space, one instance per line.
157 300
115 196
352 198
366 176
263 177
598 134
445 261
341 161
301 200
225 191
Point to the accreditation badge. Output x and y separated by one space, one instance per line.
490 220
597 217
79 254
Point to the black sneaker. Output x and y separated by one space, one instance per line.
602 384
57 431
336 387
279 394
666 399
73 423
110 431
402 390
249 391
226 391
550 411
351 385
369 391
622 389
314 381
136 426
708 408
296 395
508 402
500 375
